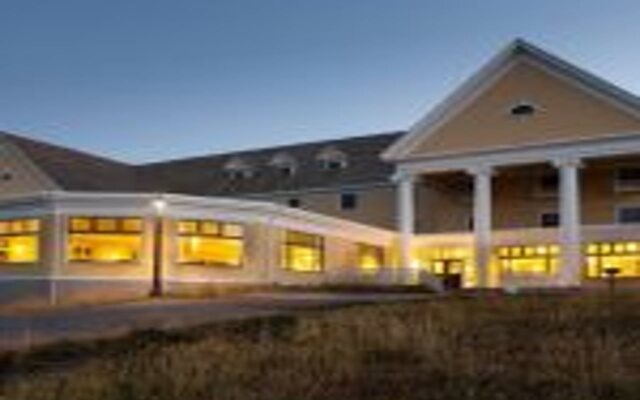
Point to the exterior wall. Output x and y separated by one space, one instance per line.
25 177
376 204
566 113
55 279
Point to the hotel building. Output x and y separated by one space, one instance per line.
526 176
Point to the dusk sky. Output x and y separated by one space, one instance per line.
144 80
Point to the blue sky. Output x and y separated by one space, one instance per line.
144 80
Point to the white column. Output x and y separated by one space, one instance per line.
482 226
570 225
406 218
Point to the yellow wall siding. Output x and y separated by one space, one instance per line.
376 205
566 113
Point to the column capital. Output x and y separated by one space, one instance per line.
567 162
403 176
484 170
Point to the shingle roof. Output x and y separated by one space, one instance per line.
206 175
73 169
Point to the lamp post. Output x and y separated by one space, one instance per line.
158 205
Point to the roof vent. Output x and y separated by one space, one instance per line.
523 110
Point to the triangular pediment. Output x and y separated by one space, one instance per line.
524 97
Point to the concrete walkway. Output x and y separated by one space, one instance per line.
99 321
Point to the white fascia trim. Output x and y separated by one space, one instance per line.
500 64
183 206
611 145
450 106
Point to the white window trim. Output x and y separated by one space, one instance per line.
542 213
618 187
357 200
618 213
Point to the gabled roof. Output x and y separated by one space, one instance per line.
519 48
72 169
206 175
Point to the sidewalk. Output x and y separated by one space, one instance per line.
100 321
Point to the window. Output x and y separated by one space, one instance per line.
19 241
332 158
622 255
627 179
104 239
333 165
348 201
532 260
294 202
286 171
284 163
303 252
370 257
628 215
549 219
547 184
210 243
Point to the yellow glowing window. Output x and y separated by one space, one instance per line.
187 227
625 257
80 224
210 243
536 260
104 240
19 241
303 252
370 257
132 225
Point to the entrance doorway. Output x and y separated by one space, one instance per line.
450 271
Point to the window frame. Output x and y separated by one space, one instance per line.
93 219
218 235
552 253
540 191
542 215
35 233
355 200
320 246
618 185
620 209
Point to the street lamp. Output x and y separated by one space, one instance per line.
158 205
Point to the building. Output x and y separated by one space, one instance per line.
527 175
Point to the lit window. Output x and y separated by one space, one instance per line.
210 243
535 260
19 241
628 215
303 252
104 239
348 201
370 257
625 256
627 179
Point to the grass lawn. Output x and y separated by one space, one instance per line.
491 347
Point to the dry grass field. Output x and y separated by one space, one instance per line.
485 347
